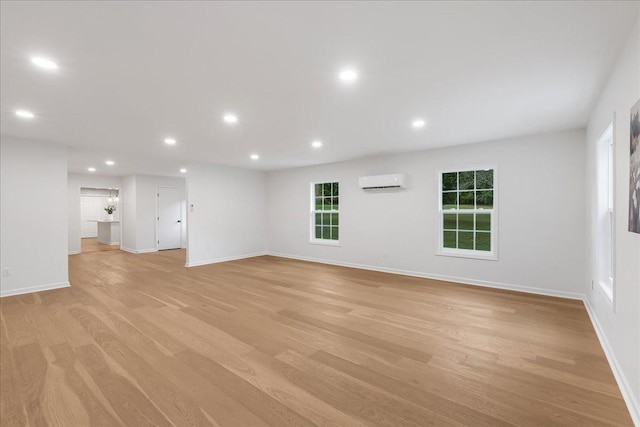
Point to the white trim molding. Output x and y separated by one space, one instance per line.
31 289
224 259
74 252
135 251
462 280
633 404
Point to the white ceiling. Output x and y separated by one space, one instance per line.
133 73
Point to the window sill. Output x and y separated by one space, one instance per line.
607 290
491 256
324 242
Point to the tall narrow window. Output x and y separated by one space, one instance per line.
325 213
468 214
605 214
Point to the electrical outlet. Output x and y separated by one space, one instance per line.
6 272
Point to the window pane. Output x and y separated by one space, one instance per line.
334 233
318 190
466 200
449 181
465 239
335 219
449 239
467 180
326 189
326 232
483 241
461 193
318 219
326 219
450 200
450 221
336 203
484 199
318 234
465 222
318 203
483 222
336 190
326 204
484 179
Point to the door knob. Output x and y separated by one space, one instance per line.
179 221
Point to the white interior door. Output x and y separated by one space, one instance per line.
169 218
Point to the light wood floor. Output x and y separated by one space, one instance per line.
140 340
90 244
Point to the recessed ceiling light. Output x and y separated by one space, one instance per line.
170 141
254 157
230 118
418 123
91 169
183 170
316 144
44 63
109 163
348 75
25 114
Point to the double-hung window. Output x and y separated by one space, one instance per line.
468 214
325 213
605 215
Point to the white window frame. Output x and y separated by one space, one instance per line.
605 203
313 211
469 253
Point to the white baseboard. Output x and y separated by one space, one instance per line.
463 280
225 259
627 393
146 251
31 289
136 251
74 252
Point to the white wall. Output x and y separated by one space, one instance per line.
227 220
540 195
619 325
139 210
33 230
128 214
146 205
75 183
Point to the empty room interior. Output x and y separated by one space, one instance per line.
334 213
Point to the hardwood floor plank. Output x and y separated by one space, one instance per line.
180 410
142 340
220 408
31 370
402 350
430 401
354 397
261 404
127 400
98 413
11 399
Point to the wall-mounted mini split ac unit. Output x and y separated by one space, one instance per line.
396 180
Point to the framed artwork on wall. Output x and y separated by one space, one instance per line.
634 169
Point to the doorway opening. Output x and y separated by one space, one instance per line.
170 219
99 219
